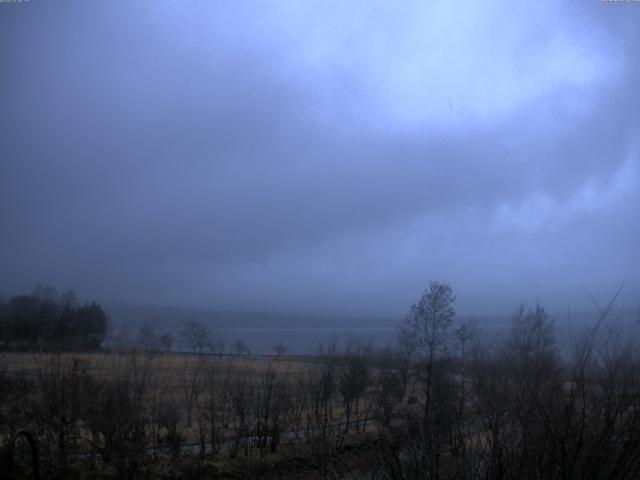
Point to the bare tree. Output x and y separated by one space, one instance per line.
168 419
425 332
191 378
417 445
326 385
61 388
271 408
354 379
215 406
119 414
242 398
148 337
194 336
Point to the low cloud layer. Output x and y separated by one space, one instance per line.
320 157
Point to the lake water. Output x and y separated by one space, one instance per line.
302 341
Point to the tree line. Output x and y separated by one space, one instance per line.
446 402
46 319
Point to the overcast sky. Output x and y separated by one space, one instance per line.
326 157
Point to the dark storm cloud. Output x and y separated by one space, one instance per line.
319 158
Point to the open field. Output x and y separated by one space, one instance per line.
30 364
